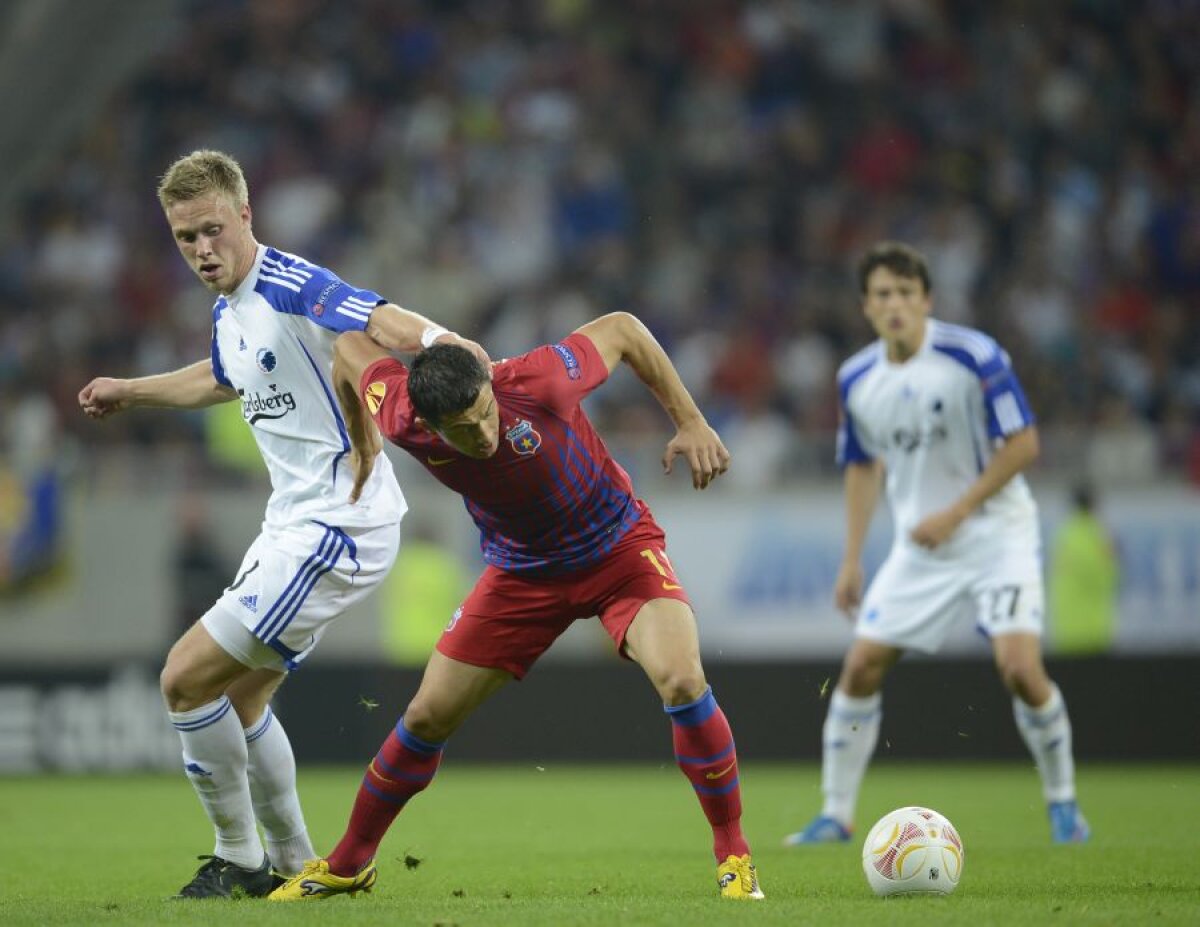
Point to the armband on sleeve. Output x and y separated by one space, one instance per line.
432 334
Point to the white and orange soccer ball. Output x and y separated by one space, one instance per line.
913 851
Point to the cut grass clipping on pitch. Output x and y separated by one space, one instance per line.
541 844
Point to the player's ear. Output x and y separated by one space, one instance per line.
424 425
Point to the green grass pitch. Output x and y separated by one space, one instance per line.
608 845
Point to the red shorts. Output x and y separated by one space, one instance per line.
508 620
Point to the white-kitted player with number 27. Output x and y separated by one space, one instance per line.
935 412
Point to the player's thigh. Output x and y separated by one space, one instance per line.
1009 594
637 572
914 600
507 622
662 639
292 585
450 690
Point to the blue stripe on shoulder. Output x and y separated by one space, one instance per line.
973 349
281 278
855 368
962 356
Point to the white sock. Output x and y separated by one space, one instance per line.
1047 732
272 772
214 758
847 742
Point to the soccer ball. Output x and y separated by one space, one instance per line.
913 850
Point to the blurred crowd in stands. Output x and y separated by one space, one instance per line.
516 167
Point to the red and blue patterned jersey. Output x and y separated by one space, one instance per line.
551 499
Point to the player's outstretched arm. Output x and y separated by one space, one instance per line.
403 330
193 387
862 484
621 338
1018 451
353 353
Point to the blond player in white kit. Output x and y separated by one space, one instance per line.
934 412
332 524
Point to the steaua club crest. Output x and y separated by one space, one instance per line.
524 440
375 393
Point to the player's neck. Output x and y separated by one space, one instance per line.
902 349
245 265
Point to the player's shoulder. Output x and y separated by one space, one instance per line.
968 346
283 277
566 355
857 365
505 370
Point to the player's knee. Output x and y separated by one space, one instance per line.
173 683
249 707
682 686
862 678
1020 677
181 689
423 720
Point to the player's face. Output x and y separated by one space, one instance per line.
475 431
897 308
215 239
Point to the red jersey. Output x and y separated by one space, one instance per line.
551 499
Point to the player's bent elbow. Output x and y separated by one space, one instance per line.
615 335
349 354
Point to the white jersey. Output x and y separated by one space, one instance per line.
935 421
272 341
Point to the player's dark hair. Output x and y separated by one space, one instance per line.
899 258
444 380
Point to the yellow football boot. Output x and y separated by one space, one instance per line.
738 878
315 881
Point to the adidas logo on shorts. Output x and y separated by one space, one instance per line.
250 601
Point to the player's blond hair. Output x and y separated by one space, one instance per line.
203 172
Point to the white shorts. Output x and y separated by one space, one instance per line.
292 583
918 595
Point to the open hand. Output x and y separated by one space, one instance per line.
702 448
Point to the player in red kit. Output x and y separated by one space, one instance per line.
563 537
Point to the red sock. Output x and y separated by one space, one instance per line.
404 766
705 752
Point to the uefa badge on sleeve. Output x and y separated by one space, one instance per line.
374 395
